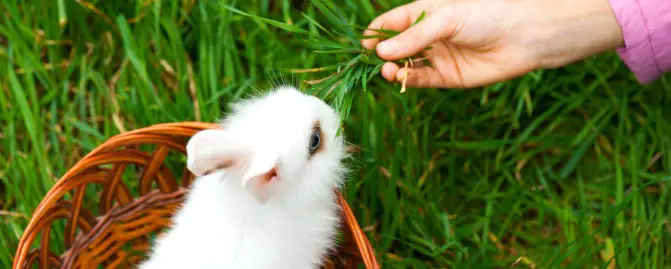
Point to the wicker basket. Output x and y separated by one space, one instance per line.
120 235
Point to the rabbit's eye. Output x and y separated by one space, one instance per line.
315 140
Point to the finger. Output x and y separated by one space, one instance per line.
389 71
421 77
416 38
397 19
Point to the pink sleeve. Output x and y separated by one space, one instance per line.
646 26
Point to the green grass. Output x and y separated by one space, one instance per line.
566 168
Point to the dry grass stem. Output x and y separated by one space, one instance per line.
405 78
12 214
308 70
116 115
192 91
526 261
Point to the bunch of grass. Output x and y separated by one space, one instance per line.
354 66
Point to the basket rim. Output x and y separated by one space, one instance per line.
184 129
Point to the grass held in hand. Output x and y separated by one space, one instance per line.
354 65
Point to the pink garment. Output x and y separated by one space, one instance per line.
646 27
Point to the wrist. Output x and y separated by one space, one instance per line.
565 31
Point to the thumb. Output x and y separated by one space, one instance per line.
416 38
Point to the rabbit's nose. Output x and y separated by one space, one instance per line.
258 186
270 175
261 170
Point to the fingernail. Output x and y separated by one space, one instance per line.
387 48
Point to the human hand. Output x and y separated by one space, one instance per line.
481 42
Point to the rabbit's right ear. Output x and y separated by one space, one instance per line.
210 150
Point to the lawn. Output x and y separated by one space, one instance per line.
563 168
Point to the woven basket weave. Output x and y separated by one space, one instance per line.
120 235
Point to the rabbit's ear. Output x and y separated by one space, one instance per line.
260 170
210 150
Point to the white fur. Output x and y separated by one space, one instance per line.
221 225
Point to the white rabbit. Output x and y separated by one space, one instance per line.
264 193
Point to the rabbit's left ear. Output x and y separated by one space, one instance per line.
210 150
